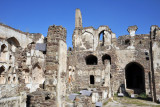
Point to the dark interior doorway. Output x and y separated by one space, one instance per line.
135 77
91 79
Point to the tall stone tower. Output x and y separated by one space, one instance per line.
78 19
78 27
56 63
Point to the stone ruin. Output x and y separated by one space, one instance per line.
38 71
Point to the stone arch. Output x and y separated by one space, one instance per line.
87 39
106 58
3 52
105 39
2 75
37 74
91 60
135 77
26 75
13 41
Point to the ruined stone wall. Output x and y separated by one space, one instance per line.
8 32
55 73
123 51
17 63
155 37
137 50
88 39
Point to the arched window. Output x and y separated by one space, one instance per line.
101 38
106 58
91 60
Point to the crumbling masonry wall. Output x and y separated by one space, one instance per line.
56 63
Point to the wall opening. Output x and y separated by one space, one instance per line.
14 79
3 53
3 48
2 77
13 41
140 42
127 42
27 75
135 77
91 79
9 80
38 74
101 38
9 69
91 60
106 58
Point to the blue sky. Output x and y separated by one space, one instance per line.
35 16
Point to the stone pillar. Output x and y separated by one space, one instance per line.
132 30
56 38
78 19
78 30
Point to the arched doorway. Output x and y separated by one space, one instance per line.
135 77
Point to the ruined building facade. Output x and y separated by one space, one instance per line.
40 71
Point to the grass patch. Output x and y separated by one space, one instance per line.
143 96
106 102
136 102
78 93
